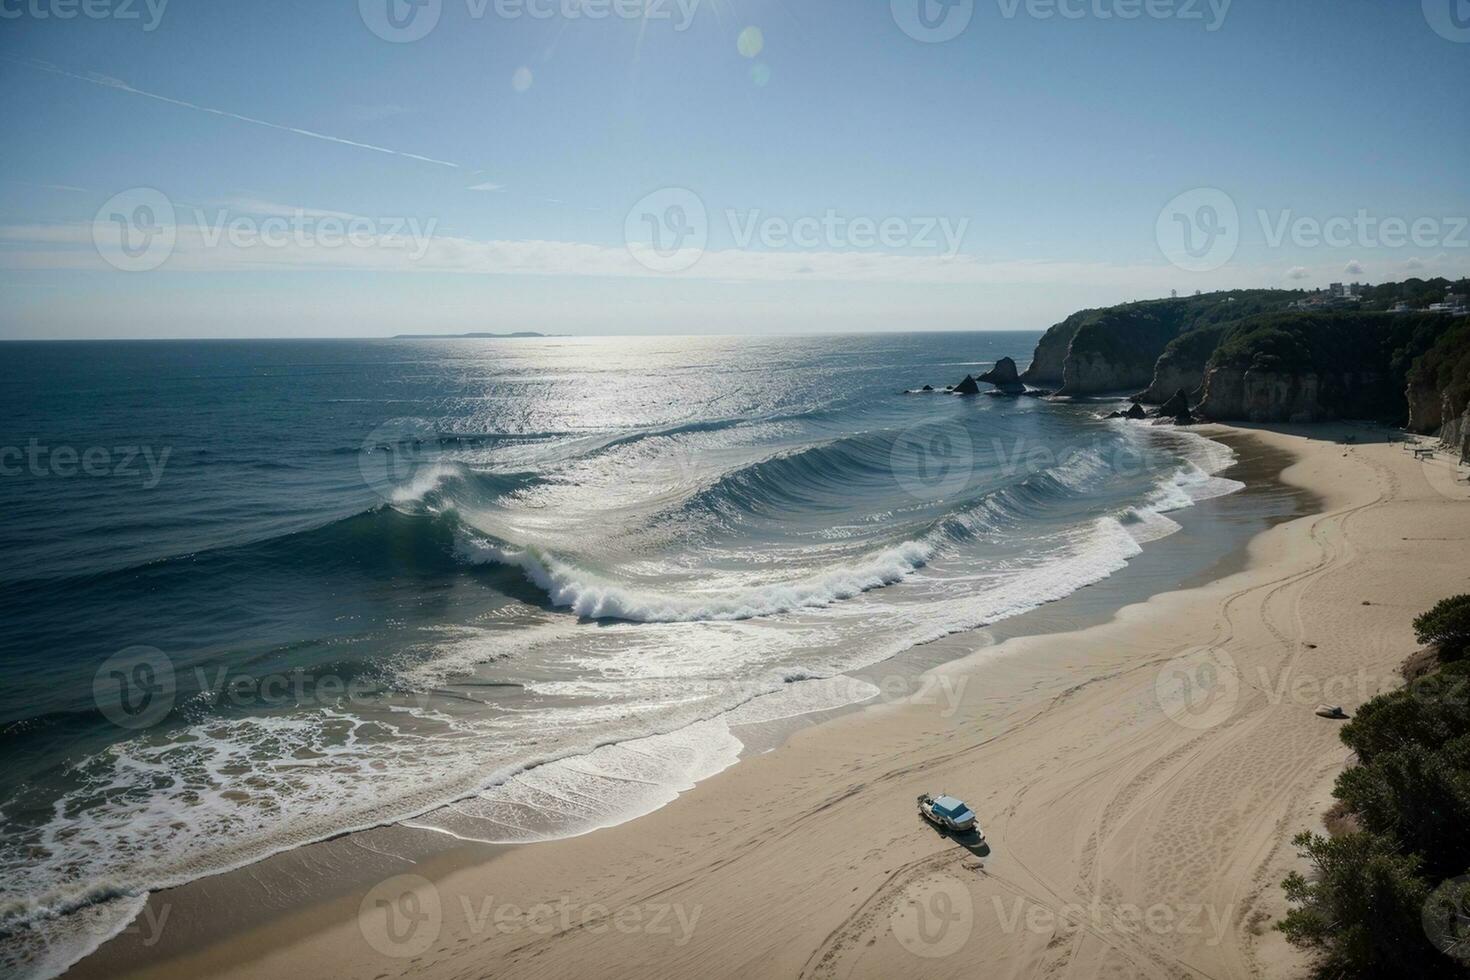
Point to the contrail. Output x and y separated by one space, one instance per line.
104 81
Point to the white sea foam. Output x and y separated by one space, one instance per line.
584 594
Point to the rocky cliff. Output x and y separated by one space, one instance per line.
1051 350
1243 356
1310 367
1438 390
1182 364
1281 396
1117 348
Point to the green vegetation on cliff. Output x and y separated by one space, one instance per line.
1361 360
1341 359
1118 346
1445 368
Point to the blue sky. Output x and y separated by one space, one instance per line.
500 172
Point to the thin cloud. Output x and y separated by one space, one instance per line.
107 81
487 186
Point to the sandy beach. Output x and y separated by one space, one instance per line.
1138 782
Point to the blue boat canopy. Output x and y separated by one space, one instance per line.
950 807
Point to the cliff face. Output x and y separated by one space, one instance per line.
1090 372
1051 351
1116 349
1455 435
1438 389
1283 396
1182 365
1426 406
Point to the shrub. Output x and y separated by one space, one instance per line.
1362 909
1447 626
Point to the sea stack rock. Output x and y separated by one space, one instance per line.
1136 412
967 387
1177 405
1177 408
1005 377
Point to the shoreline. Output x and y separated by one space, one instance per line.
1044 673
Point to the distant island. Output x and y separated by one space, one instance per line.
467 336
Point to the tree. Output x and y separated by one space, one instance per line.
1362 909
1447 625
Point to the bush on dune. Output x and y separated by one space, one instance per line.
1447 626
1391 899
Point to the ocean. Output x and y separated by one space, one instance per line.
256 594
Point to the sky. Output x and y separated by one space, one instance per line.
177 168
